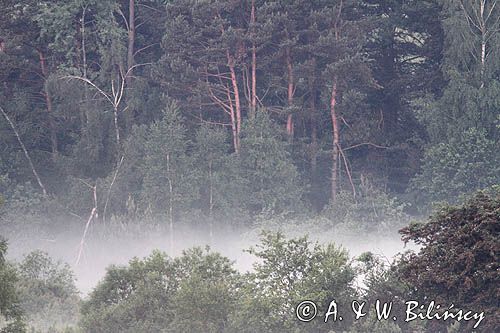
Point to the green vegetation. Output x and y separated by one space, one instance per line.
49 298
461 246
352 116
200 291
249 108
10 312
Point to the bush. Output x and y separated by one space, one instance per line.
192 293
10 312
371 210
458 262
47 293
286 273
456 168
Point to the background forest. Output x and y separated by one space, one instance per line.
140 116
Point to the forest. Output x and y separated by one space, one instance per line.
207 165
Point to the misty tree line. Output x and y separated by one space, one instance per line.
242 108
360 112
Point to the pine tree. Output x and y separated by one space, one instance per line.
271 180
169 179
405 45
336 44
218 179
204 47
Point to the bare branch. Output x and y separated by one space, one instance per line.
110 187
91 217
348 171
90 83
366 144
35 173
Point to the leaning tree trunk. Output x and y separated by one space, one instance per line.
336 141
25 151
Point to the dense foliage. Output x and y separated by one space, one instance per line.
49 298
355 116
10 312
242 108
202 291
461 244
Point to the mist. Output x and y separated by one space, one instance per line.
113 245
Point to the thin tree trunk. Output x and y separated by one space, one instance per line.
84 114
93 213
237 102
170 207
84 51
131 41
233 123
25 151
289 123
48 101
336 141
210 203
482 25
117 169
117 128
314 129
254 62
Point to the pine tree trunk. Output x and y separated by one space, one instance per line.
236 91
314 134
254 62
289 122
336 141
233 123
48 101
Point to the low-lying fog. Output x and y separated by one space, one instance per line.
104 248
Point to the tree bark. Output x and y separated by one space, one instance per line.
254 61
131 41
117 127
336 141
236 141
237 102
484 31
84 117
314 129
211 203
289 122
48 101
170 207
